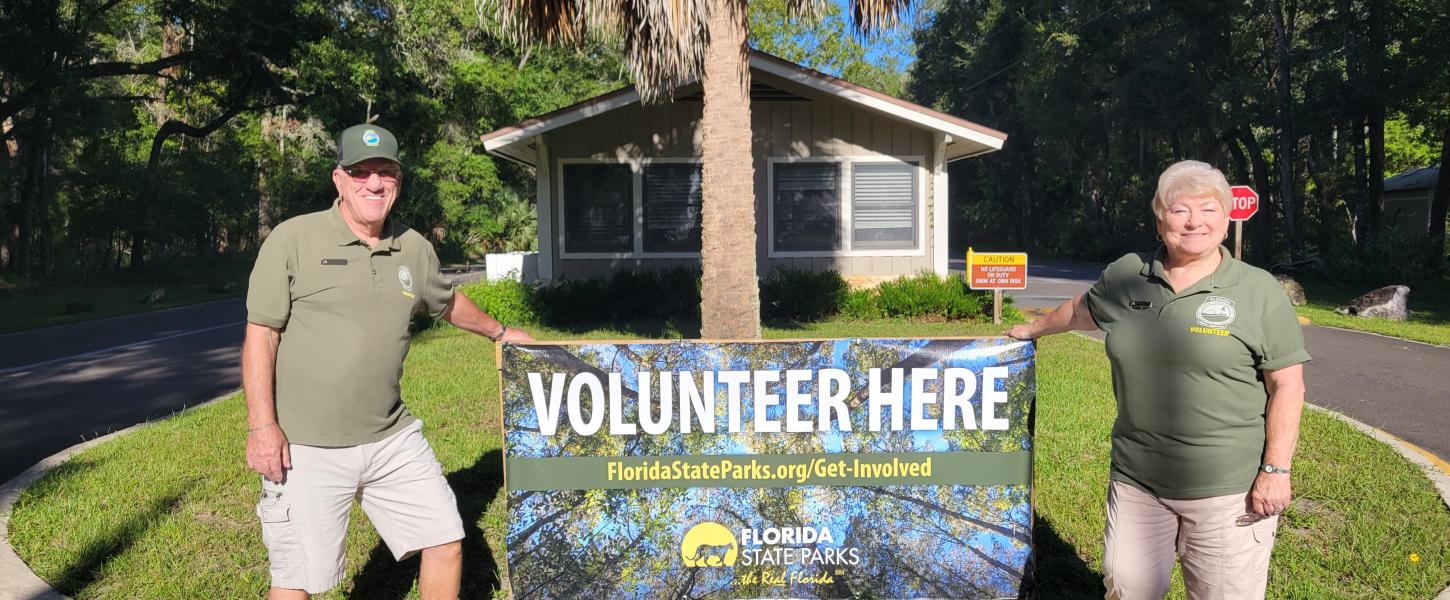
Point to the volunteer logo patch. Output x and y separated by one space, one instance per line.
1216 311
405 277
371 138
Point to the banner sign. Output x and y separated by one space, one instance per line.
821 469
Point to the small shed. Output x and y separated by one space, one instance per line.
846 178
1407 199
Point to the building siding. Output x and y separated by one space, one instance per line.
822 126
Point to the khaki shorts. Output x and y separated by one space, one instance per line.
399 484
1223 549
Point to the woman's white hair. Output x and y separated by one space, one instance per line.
1190 179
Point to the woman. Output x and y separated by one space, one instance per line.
1207 361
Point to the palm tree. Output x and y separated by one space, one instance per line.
669 43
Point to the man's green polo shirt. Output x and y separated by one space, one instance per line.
1187 372
344 311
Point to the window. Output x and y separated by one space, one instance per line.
883 206
598 208
807 206
671 198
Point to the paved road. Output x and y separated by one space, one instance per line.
1398 386
63 385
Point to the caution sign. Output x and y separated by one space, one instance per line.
996 270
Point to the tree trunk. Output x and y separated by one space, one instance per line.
1026 169
32 204
1260 229
1287 141
1375 115
1436 262
730 292
265 202
1326 185
45 246
9 228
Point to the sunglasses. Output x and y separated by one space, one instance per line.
361 174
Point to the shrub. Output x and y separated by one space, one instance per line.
802 296
1390 257
928 295
508 301
626 296
921 296
674 294
861 305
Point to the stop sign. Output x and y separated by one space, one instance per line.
1245 203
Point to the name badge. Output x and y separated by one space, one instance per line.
1140 304
334 261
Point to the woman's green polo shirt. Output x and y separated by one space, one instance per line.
1188 372
344 311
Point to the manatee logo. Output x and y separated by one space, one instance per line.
1216 311
371 138
405 277
709 545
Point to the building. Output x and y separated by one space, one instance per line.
846 178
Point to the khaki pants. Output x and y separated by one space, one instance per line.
1224 550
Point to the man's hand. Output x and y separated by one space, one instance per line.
515 334
268 452
1270 494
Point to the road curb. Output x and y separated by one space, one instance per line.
19 582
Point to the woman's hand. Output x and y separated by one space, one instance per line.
1270 494
1071 315
1021 332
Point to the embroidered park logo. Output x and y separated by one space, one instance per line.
1216 311
370 137
405 277
709 544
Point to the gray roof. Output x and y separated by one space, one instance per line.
1422 178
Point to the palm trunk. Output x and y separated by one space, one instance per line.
730 307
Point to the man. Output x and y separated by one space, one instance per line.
328 309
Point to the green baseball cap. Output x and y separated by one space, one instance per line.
361 142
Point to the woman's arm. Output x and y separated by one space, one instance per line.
1271 491
1071 315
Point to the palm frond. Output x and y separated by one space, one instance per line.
664 40
872 16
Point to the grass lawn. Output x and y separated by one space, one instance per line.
167 512
1429 312
24 307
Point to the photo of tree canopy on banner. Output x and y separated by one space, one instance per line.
817 469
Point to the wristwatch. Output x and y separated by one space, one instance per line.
1273 470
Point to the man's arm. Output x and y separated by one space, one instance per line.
466 315
1271 491
1071 315
267 451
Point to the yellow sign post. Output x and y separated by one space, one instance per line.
996 271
